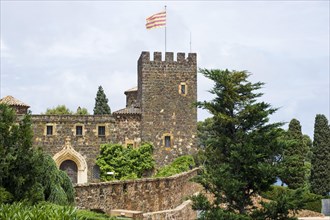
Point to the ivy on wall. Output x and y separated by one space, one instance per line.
119 163
179 165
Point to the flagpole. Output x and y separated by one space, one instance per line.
190 42
165 28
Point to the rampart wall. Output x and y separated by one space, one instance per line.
146 195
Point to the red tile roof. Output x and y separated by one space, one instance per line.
11 101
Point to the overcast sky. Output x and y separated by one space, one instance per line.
59 52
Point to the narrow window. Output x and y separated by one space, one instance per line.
167 140
79 130
49 130
101 130
183 89
96 172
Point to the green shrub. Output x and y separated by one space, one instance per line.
210 212
179 165
47 211
5 196
311 201
126 163
43 211
89 215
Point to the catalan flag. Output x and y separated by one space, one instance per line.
156 20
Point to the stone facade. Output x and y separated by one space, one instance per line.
159 110
167 111
64 130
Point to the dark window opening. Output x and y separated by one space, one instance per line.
79 130
183 89
101 131
49 130
96 172
167 141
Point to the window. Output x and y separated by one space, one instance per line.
101 130
167 141
129 144
183 89
79 130
96 172
49 130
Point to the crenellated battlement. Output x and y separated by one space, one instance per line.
169 57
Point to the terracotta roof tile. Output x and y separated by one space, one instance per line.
129 110
11 101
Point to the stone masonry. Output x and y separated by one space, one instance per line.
157 194
166 111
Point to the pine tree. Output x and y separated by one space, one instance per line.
293 166
101 103
242 149
320 174
26 173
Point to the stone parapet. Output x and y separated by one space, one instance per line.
146 195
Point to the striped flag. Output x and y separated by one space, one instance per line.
156 20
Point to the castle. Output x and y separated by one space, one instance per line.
160 110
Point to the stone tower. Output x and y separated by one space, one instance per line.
167 91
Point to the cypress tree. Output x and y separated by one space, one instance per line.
320 175
293 166
101 103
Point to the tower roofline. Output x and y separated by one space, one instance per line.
169 57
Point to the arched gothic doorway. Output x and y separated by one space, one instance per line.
71 169
73 162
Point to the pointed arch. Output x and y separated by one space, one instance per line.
68 153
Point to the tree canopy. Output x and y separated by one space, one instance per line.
58 110
63 110
320 174
82 111
101 103
293 169
242 149
25 172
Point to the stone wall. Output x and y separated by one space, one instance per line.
146 195
165 110
128 129
131 97
182 212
